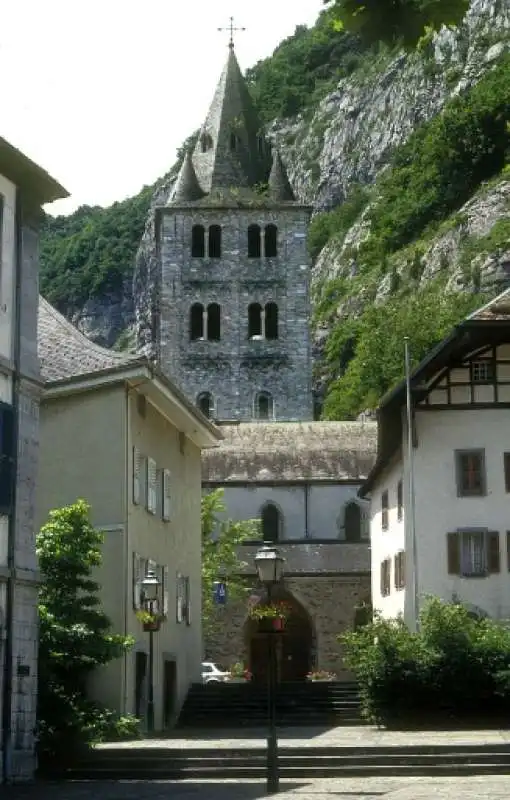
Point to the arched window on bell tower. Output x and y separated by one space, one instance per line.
196 322
271 321
271 241
254 241
205 403
264 406
213 322
198 241
215 241
255 321
272 523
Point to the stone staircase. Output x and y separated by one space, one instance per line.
238 705
154 762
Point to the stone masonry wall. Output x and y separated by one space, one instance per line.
235 369
330 602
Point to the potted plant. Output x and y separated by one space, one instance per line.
239 673
273 616
150 622
320 675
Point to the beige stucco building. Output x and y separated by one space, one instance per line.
125 439
24 188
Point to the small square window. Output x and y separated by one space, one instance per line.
385 510
470 469
482 371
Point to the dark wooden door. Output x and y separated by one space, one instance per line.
169 691
140 683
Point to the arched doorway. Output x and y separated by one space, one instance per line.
295 644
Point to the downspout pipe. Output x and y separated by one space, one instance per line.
8 677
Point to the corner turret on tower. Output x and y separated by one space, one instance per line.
280 189
187 188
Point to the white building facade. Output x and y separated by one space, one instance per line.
455 542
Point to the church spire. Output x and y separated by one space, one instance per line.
280 189
187 187
231 152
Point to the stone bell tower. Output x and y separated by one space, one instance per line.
232 323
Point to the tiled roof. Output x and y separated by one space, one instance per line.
65 353
287 451
497 309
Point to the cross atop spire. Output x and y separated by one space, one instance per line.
231 29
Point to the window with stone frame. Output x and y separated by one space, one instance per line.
385 510
385 577
272 523
271 241
264 406
482 371
271 321
254 241
473 552
470 473
214 249
352 522
198 241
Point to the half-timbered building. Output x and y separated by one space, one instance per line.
446 532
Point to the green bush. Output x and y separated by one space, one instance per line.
456 664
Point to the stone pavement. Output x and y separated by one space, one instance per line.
469 788
343 736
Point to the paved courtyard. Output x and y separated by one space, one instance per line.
471 788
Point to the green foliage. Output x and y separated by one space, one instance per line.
303 68
456 664
378 361
335 224
75 636
220 561
397 21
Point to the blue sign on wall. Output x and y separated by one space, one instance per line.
220 593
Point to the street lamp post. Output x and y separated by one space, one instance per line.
269 565
150 589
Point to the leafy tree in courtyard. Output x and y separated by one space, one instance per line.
394 21
220 559
75 633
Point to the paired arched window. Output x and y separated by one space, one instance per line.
262 321
205 403
255 238
271 241
352 522
272 523
205 323
264 406
198 239
254 241
206 142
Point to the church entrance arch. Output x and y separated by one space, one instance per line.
295 644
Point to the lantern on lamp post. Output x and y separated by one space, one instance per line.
150 601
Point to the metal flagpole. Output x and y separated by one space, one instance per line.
410 473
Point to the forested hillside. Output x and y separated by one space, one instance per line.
405 156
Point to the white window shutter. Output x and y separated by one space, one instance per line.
165 590
152 493
166 495
137 475
180 599
137 577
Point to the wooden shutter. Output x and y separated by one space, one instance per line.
137 475
165 590
188 601
508 550
137 588
179 599
453 549
166 488
382 579
493 559
402 569
396 570
152 479
506 467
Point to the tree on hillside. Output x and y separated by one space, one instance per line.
220 559
396 21
75 633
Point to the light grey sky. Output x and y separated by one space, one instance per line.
102 92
